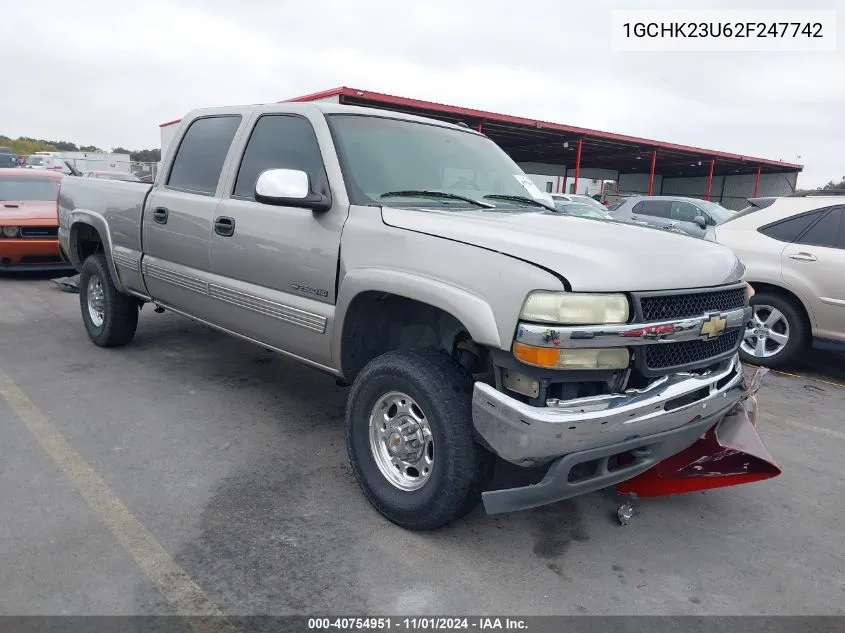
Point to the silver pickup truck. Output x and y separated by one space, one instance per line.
415 261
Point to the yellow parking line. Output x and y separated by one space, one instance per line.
826 382
174 583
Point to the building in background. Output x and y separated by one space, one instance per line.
566 159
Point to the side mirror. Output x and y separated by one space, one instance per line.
701 221
289 188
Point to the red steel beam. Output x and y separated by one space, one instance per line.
578 162
710 178
756 182
651 172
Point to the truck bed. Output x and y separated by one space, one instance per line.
119 203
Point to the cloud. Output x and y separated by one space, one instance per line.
108 73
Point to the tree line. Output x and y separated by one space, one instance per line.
834 185
25 146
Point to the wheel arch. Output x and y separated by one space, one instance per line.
809 318
88 233
373 303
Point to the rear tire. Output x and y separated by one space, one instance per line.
419 404
778 331
110 317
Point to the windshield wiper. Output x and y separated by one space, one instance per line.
496 196
426 193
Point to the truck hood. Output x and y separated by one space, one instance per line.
26 210
592 255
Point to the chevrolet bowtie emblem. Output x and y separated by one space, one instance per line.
713 326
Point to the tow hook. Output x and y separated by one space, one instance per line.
627 511
158 309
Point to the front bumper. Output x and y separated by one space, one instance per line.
531 436
31 254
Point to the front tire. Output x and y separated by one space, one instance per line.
110 317
777 332
410 439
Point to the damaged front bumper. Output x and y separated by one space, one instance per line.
602 441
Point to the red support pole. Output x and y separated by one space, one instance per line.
651 172
578 163
756 182
710 178
480 128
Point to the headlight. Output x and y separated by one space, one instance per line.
560 358
575 308
10 231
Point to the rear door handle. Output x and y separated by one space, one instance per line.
160 215
224 226
804 257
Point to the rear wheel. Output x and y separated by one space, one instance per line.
410 439
777 331
110 317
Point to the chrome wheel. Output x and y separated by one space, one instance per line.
767 333
401 441
96 301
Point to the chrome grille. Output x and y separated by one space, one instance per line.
663 307
688 353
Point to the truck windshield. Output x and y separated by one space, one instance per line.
28 189
382 155
34 161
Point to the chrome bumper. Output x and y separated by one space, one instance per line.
528 436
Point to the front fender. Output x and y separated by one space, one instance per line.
471 310
78 219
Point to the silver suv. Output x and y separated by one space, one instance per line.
682 215
794 251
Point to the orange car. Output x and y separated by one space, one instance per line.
29 220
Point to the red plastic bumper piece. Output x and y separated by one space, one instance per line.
729 454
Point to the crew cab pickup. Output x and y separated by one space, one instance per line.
415 261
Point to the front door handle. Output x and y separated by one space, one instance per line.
160 215
804 257
224 226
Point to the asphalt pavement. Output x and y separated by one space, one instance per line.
191 471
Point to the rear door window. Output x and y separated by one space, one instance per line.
825 232
653 208
791 229
201 154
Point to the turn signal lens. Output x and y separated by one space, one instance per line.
557 358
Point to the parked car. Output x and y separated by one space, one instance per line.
7 158
794 251
29 221
687 215
112 175
470 322
579 199
582 210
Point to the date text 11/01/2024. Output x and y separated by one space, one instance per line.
417 624
723 29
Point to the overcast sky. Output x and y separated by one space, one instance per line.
108 72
